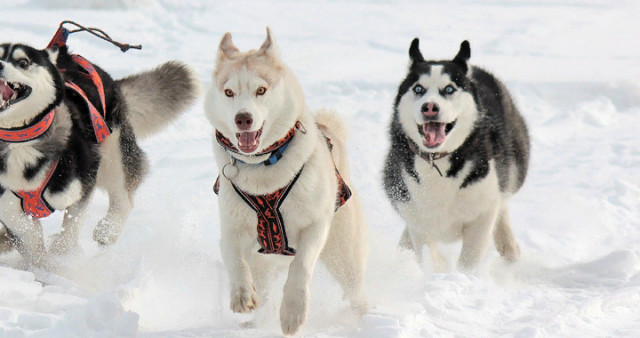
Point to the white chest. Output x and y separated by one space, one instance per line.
439 206
20 156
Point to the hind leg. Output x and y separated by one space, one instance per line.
344 255
24 231
66 240
122 168
504 239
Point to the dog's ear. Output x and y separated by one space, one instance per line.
463 54
269 47
414 51
52 53
227 50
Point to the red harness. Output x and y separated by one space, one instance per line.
33 203
272 235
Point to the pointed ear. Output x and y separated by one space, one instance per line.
414 51
227 50
52 53
269 47
463 54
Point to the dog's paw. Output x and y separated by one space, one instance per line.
106 232
62 244
243 299
293 311
510 250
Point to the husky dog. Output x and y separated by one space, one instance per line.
64 161
459 150
258 109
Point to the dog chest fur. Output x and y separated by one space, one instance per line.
438 207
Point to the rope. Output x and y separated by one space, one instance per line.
101 34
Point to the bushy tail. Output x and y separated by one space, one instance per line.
157 97
331 121
333 127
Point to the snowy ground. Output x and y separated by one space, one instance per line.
572 67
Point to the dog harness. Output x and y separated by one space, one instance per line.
272 235
100 128
33 202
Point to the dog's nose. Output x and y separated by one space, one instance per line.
430 109
1 65
244 121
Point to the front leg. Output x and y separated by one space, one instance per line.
235 247
295 300
67 239
25 231
475 239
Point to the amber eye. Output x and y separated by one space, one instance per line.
228 92
261 91
23 63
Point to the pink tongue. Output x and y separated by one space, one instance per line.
6 91
248 141
433 133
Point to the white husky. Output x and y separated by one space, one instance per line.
272 151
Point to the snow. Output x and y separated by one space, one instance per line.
572 67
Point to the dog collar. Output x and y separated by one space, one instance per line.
276 149
30 132
427 156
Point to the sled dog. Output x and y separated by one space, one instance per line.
65 127
285 194
459 150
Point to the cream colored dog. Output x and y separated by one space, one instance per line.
271 149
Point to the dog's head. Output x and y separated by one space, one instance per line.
29 83
254 99
435 103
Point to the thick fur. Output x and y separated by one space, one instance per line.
313 228
488 147
137 105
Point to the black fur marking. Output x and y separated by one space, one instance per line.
31 171
402 160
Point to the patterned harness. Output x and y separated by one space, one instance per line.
272 235
32 202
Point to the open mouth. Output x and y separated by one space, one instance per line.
435 133
248 141
12 92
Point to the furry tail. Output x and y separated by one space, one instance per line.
330 120
157 97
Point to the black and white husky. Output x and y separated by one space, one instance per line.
58 164
283 200
459 150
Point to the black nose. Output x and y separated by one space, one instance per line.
1 65
430 110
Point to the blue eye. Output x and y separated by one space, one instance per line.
449 89
418 89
